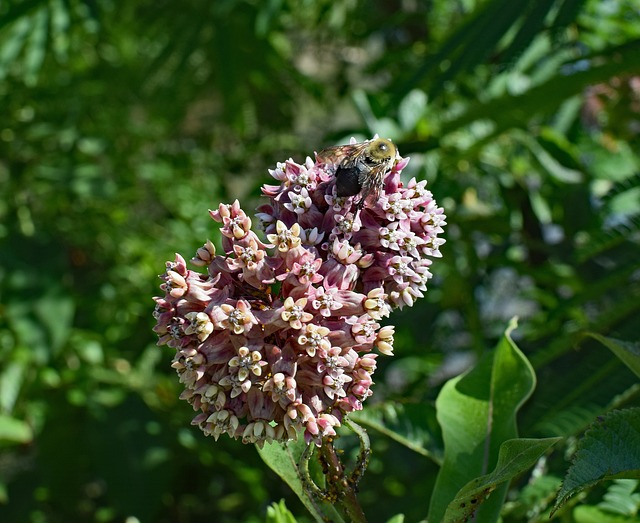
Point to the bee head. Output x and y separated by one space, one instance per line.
381 150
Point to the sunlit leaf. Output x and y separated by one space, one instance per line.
516 456
477 414
283 459
279 513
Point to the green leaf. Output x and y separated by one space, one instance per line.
18 12
532 25
566 14
628 352
621 498
37 46
411 109
407 424
279 513
11 381
477 414
13 44
516 111
590 514
385 127
14 430
467 46
608 450
283 459
548 162
55 311
558 147
618 167
516 456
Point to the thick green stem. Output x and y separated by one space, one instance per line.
344 490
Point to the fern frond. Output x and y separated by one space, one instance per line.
607 239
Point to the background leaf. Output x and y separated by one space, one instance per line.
408 424
622 498
603 453
628 352
14 431
589 514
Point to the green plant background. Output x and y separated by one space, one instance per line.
121 123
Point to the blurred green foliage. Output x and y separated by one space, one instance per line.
122 123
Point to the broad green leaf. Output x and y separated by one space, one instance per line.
628 352
283 459
477 414
608 450
14 430
516 456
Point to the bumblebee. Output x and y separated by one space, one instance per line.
361 167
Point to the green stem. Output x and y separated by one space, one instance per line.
363 456
344 489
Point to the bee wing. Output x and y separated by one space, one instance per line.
371 180
346 155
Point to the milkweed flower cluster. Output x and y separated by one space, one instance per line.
281 337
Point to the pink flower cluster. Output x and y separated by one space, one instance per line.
276 339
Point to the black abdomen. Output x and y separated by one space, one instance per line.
348 181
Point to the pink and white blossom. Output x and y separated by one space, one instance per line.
280 336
